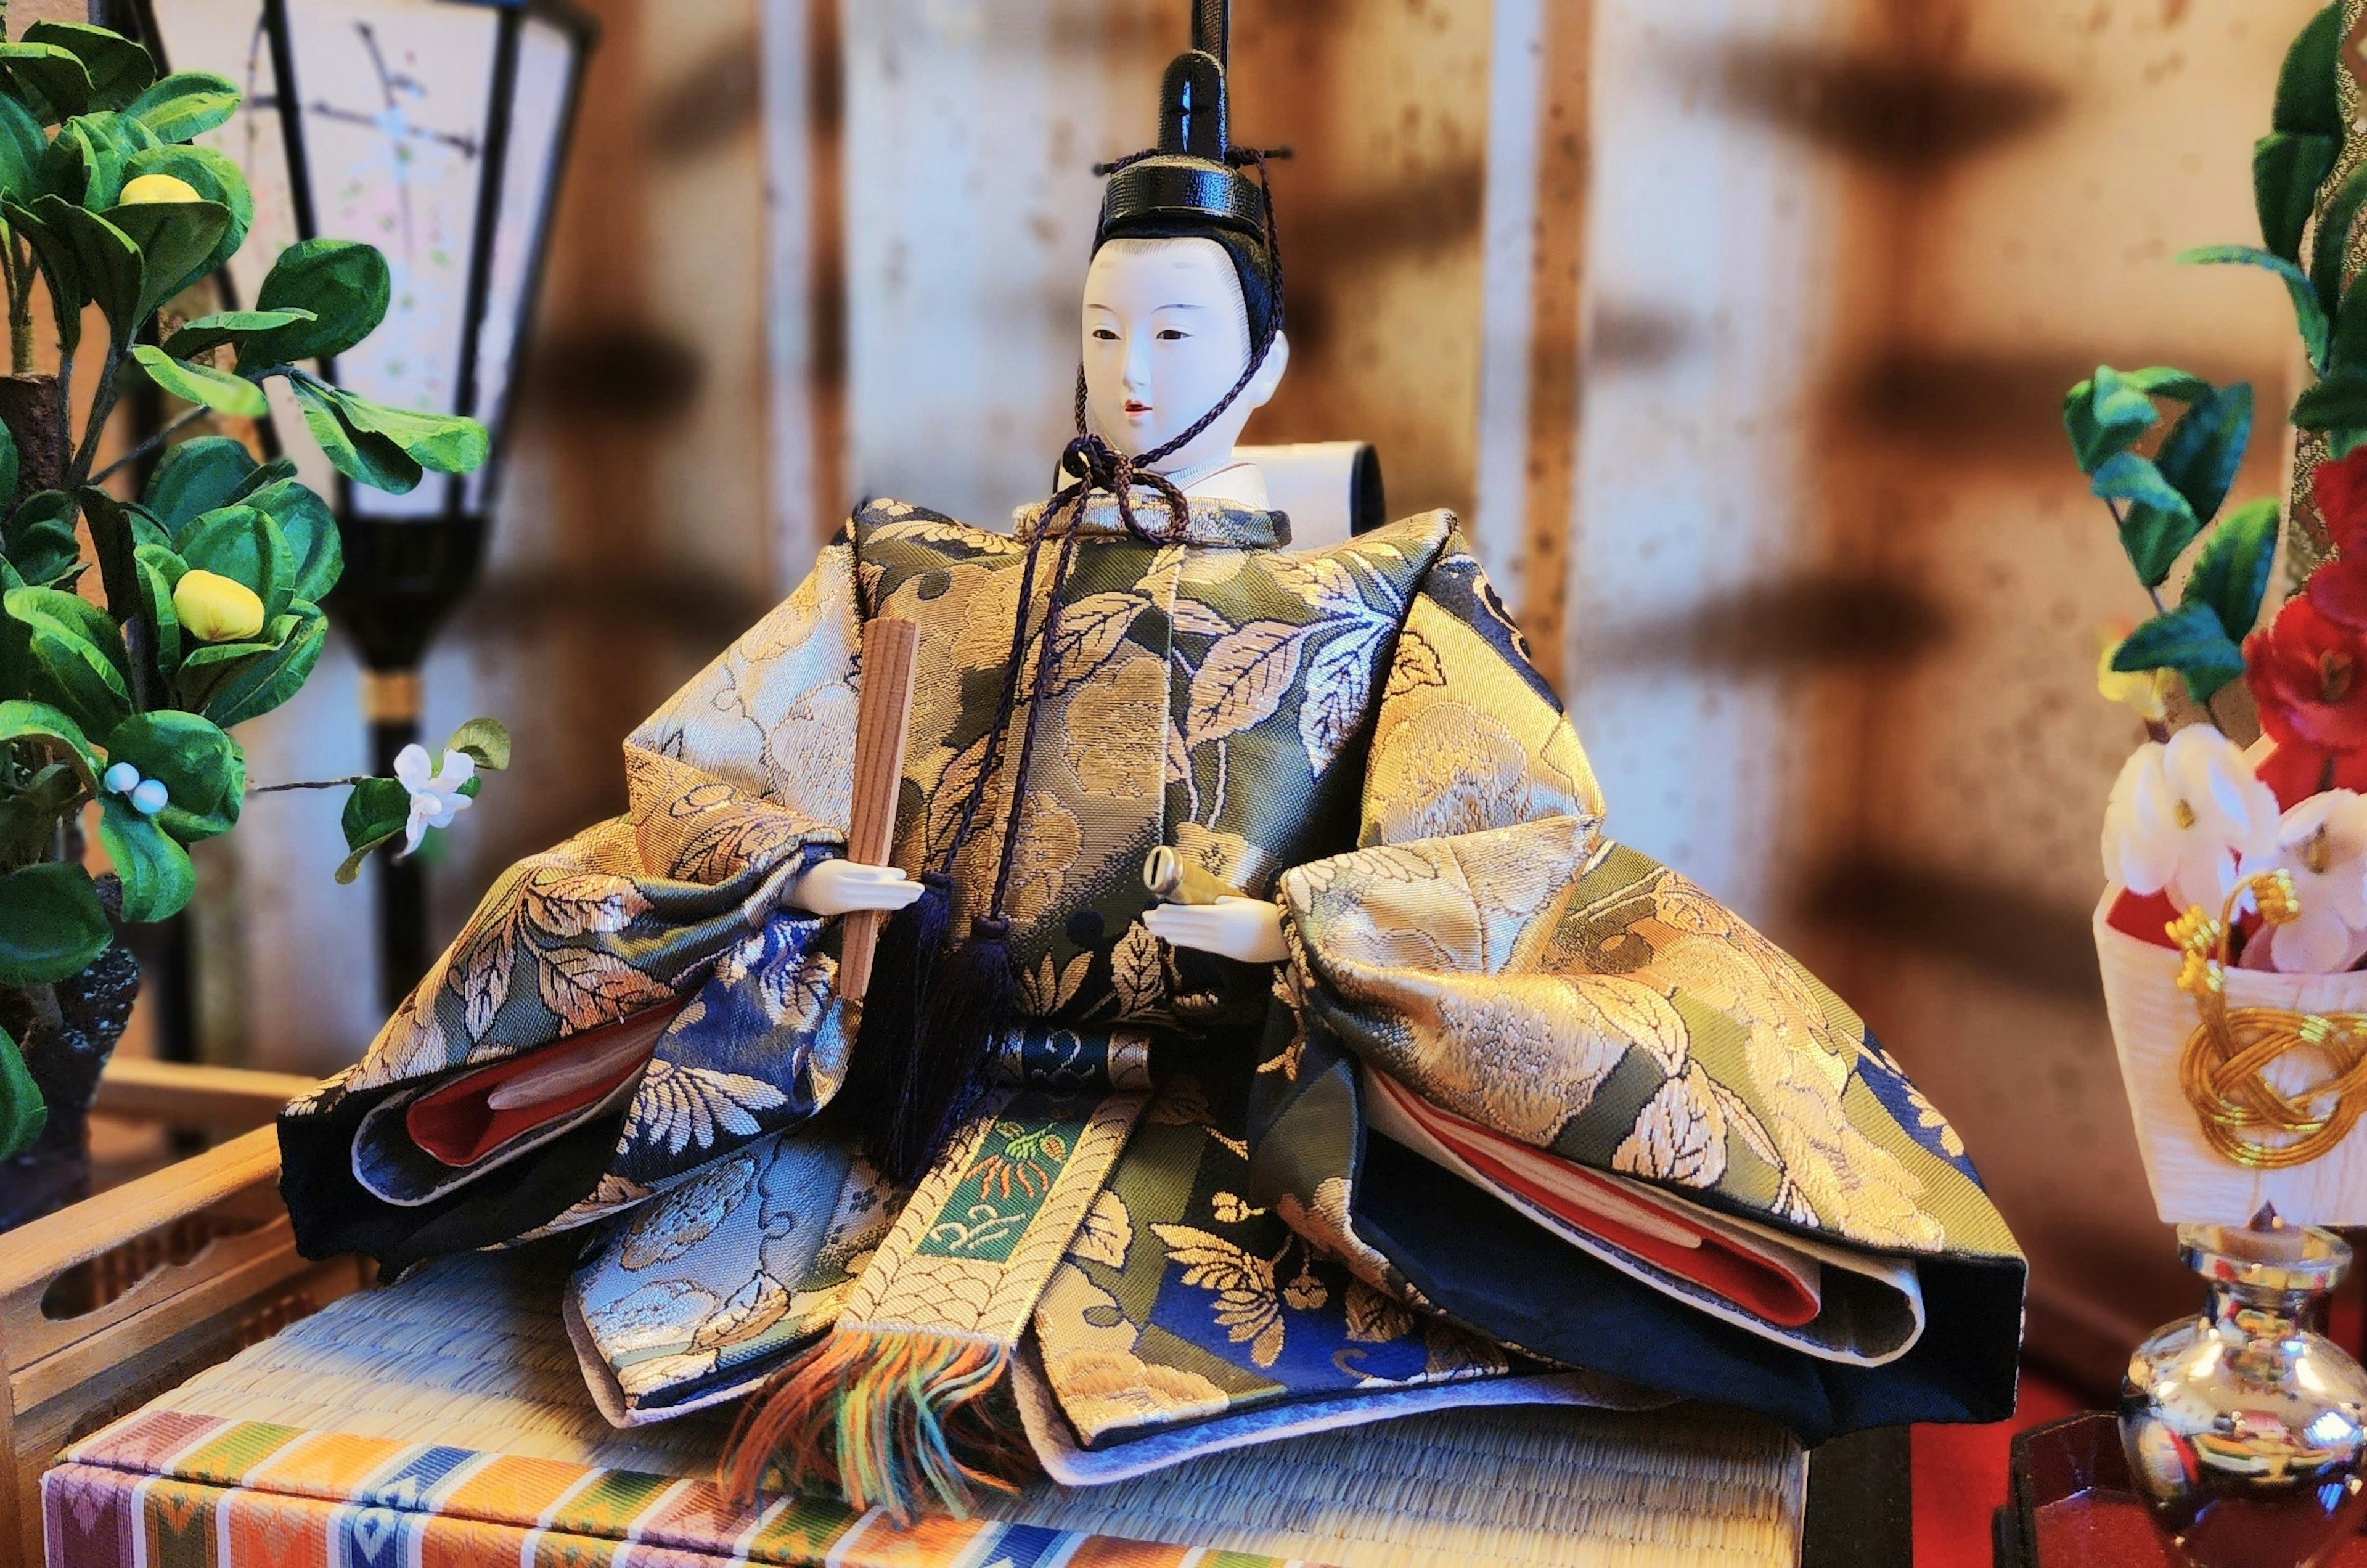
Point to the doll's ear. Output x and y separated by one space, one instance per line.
1260 389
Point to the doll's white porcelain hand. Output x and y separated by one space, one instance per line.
1246 929
840 887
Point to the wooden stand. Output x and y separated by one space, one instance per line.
106 1304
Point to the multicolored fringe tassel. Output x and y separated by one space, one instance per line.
887 1411
873 1414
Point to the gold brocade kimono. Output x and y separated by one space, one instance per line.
1177 1216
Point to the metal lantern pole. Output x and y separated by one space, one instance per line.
408 566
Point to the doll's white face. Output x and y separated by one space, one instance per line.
1165 336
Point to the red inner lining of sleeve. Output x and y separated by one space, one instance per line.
456 1126
1716 1265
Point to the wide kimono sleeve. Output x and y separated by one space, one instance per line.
661 925
1488 948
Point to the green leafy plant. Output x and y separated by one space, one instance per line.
2162 502
2290 165
208 585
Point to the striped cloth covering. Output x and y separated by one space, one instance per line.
443 1422
165 1490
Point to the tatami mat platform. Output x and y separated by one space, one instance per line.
444 1421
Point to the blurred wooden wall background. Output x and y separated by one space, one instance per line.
1735 330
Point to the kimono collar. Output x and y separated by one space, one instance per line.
1211 522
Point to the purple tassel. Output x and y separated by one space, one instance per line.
881 1065
973 996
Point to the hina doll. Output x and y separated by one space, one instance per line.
1410 1086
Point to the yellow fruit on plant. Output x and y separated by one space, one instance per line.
214 608
157 188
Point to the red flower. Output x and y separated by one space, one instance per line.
2308 674
2341 491
2338 591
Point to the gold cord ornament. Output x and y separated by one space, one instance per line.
2223 1066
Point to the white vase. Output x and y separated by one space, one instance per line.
2151 1020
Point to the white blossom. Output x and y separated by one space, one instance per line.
435 798
2183 814
2322 844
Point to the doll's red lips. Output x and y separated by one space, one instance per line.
1133 407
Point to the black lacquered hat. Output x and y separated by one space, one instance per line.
1189 181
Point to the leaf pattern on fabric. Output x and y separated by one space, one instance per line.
560 904
1324 581
1679 1135
1416 664
1340 691
586 986
1194 617
1091 630
1247 1305
484 961
1373 1318
678 1108
1232 1208
1242 681
1046 989
1106 1233
1137 976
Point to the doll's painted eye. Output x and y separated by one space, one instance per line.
1171 335
1105 334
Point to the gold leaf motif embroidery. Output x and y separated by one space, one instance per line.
1324 1220
950 793
1415 665
1247 1306
1324 583
1042 991
677 1107
1631 1010
1242 681
485 960
1136 974
1106 1234
1195 618
1745 1120
1373 1318
1090 631
585 988
1339 692
1679 1135
563 904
